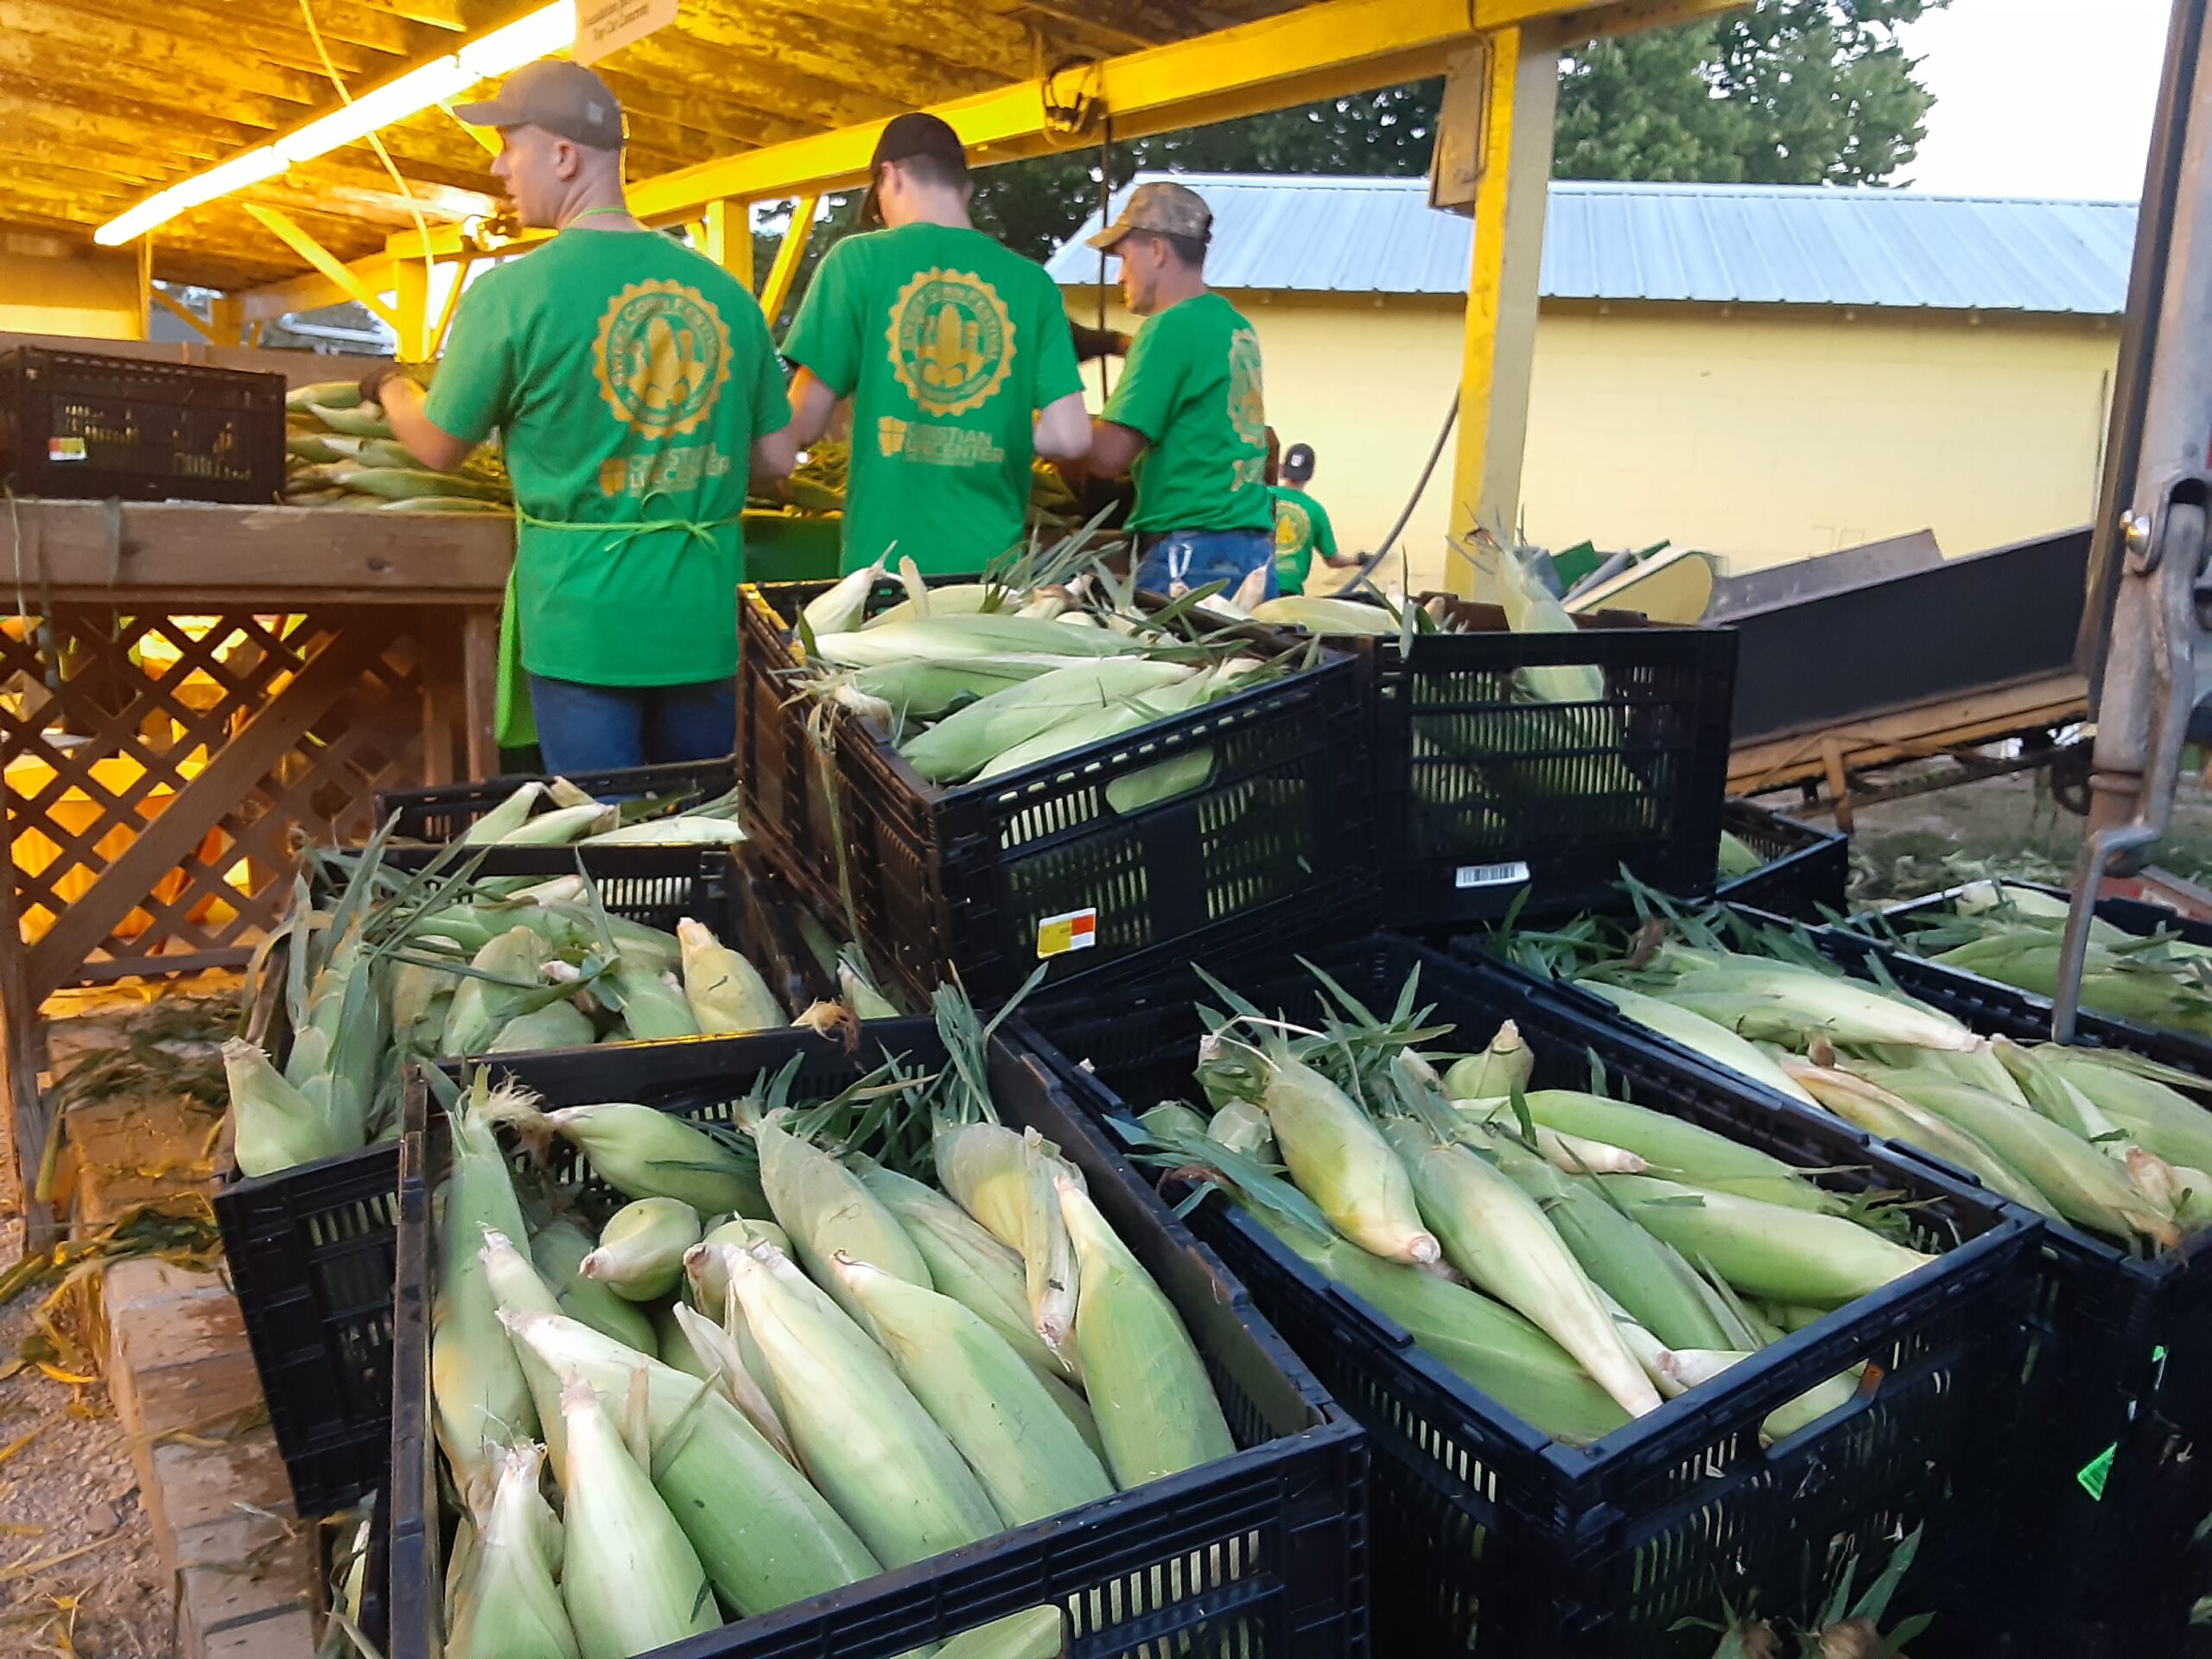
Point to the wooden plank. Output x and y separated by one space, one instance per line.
479 690
30 1118
211 556
438 635
203 803
1911 734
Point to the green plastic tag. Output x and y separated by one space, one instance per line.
2097 1471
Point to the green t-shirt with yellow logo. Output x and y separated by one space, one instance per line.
1192 386
1302 529
628 377
948 345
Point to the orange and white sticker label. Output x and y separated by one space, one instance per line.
67 449
1057 935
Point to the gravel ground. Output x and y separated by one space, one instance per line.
79 1572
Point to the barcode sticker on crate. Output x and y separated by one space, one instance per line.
1057 935
67 449
1489 876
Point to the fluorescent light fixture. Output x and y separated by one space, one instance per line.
547 30
236 174
395 101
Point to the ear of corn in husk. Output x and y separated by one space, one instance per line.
719 1356
1701 1035
1339 1160
631 1580
1766 1249
765 1536
1683 1149
558 1249
1506 1064
1035 1634
1004 1179
641 1248
725 991
644 1153
509 1604
483 1400
1155 1407
516 1287
1496 1236
865 1439
995 1410
276 1127
827 1211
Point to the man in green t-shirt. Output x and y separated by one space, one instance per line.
635 389
1187 417
957 356
1302 526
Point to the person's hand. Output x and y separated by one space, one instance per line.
372 383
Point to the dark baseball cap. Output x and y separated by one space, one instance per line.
565 99
1297 462
904 137
1164 206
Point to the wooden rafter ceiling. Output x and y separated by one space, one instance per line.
103 102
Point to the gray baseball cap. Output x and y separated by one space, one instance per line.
1162 205
563 98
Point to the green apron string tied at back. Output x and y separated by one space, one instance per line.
514 726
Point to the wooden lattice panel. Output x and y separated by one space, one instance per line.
159 767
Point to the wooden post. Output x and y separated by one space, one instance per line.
480 688
30 1123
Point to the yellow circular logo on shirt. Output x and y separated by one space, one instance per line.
663 358
951 340
1292 527
1248 407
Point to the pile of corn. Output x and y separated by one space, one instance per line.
443 964
341 453
2010 934
785 1364
974 680
2101 1139
1578 1258
816 485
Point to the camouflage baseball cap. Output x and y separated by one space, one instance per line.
1164 206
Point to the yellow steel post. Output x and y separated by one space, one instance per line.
1501 329
227 319
183 314
785 271
436 345
726 232
412 300
349 282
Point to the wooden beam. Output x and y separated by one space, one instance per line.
789 254
183 314
283 228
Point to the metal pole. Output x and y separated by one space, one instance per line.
2161 601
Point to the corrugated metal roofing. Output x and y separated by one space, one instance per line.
1740 244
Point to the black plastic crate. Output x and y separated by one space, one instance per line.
2120 1474
310 1252
1805 870
79 426
444 812
2187 1050
1488 1540
990 878
1485 800
311 1249
2117 1474
1261 1554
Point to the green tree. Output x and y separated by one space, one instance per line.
1791 92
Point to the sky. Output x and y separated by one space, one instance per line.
2039 97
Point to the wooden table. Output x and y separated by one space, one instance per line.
183 690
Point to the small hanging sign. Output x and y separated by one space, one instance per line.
603 27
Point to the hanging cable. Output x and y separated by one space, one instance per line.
406 191
1105 216
1420 488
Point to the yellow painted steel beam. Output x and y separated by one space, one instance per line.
286 229
789 252
412 300
1328 50
444 324
183 314
1498 348
311 291
1333 48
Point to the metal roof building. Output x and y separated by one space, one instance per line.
1715 244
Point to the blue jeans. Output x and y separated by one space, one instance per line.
1196 557
601 727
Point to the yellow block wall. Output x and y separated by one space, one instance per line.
1758 438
